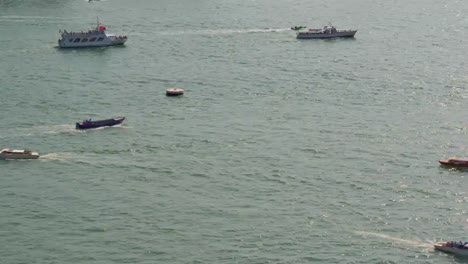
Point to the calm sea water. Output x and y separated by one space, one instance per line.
281 150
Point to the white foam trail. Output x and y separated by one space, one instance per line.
33 19
413 243
59 129
104 127
225 31
56 156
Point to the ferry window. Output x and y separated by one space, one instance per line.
84 40
77 40
92 39
100 39
70 40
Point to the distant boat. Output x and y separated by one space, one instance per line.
298 27
326 32
174 92
96 37
457 248
87 124
18 154
455 162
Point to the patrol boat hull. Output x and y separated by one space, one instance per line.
324 35
100 123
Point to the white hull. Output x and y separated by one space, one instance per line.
320 35
92 38
108 41
453 250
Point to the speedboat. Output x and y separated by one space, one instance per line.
18 154
298 27
326 32
455 162
96 37
458 248
87 124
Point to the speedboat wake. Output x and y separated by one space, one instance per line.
413 243
215 32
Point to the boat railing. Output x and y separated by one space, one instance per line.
82 33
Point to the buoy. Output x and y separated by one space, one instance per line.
174 92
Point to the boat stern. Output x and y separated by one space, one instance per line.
440 245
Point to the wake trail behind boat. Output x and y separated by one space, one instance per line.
34 19
226 31
56 156
413 243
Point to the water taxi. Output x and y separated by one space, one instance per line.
18 154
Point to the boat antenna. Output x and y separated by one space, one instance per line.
97 21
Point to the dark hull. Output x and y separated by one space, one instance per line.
94 46
174 92
318 35
454 164
100 123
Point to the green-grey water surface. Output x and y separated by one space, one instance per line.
281 150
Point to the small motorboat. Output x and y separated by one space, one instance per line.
18 154
455 162
458 248
87 124
298 27
174 92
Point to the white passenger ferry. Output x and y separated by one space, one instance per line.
96 37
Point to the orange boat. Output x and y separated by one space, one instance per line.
455 162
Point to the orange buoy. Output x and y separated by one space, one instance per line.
174 92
